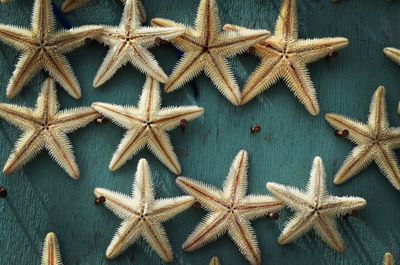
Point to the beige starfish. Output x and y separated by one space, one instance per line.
315 208
45 127
129 42
147 124
51 252
214 261
206 49
285 56
43 48
388 259
394 55
230 210
70 5
375 142
142 215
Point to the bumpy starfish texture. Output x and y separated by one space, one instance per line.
388 259
375 141
129 42
51 252
147 124
285 56
43 48
206 49
230 210
142 215
45 127
314 208
214 261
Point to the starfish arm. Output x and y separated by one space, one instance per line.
125 117
160 144
254 206
266 74
130 20
26 148
47 104
316 186
359 158
155 235
43 20
170 118
73 119
21 117
67 40
71 5
19 38
142 11
336 206
143 188
388 164
188 67
235 186
61 151
378 117
164 209
114 60
388 259
296 227
244 237
236 42
133 141
120 204
393 54
59 68
147 35
126 235
391 138
358 132
291 196
209 197
28 65
51 252
219 71
298 80
311 50
150 99
327 230
207 20
214 261
210 228
286 25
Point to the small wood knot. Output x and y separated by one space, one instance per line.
274 216
100 200
342 133
183 124
88 41
251 50
102 120
3 192
196 205
255 129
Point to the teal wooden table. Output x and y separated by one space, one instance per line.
42 198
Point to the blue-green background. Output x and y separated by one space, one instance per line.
43 198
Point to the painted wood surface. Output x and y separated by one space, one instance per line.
42 198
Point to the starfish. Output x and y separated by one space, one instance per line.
70 5
147 124
43 48
206 49
214 261
45 127
285 56
51 252
394 55
128 42
142 215
388 259
375 142
230 210
315 208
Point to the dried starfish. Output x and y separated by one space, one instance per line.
375 142
142 215
394 55
45 127
230 210
214 261
388 259
315 208
43 48
51 252
129 42
206 48
285 56
147 124
70 5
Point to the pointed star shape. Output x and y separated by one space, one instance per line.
129 42
42 48
388 259
206 49
45 127
142 215
285 56
147 124
51 252
230 210
314 208
375 141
